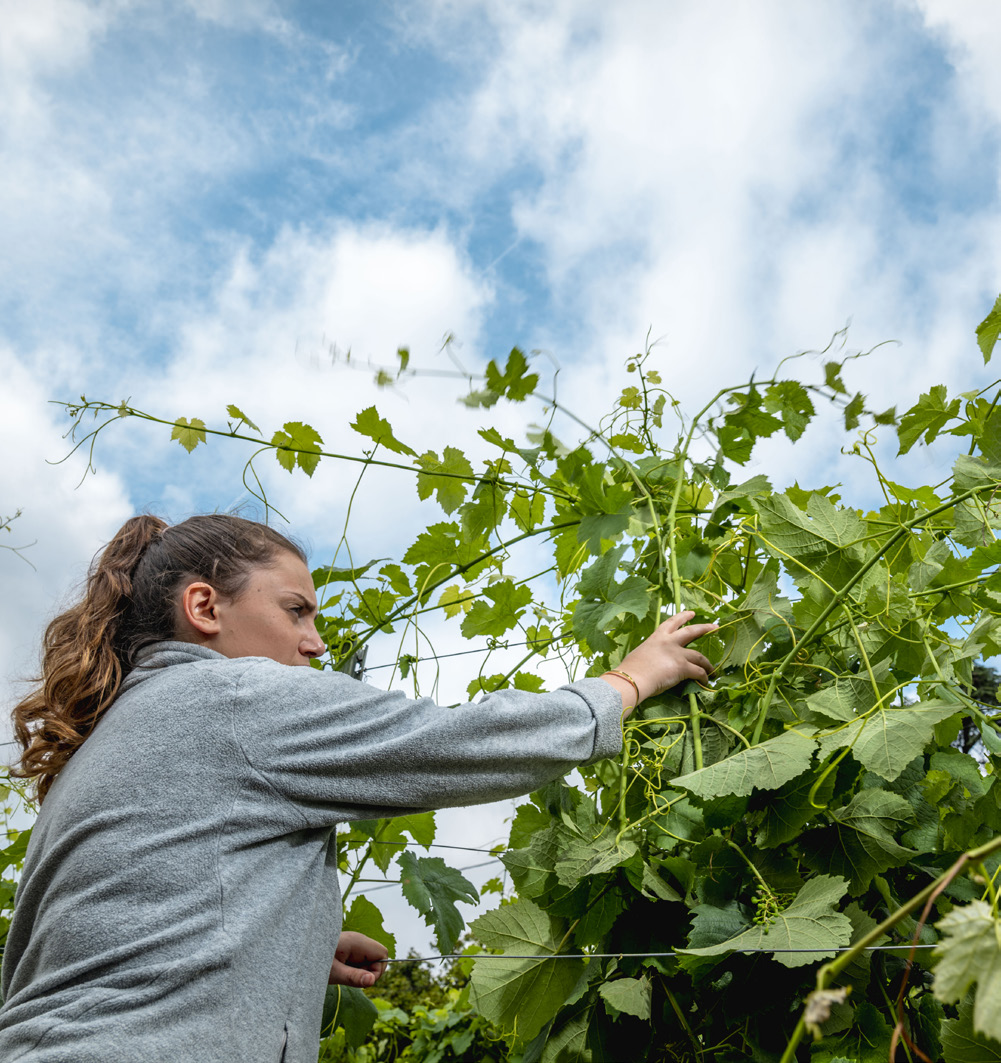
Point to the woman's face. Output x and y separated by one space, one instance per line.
274 616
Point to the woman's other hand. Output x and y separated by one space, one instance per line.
357 961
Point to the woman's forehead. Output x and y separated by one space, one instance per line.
287 572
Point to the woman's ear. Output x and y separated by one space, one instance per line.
199 608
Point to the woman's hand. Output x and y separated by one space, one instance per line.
357 961
664 660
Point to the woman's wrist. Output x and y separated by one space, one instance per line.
626 688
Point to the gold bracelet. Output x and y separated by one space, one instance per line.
629 679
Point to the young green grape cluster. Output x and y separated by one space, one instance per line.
768 905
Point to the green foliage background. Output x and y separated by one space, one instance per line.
755 839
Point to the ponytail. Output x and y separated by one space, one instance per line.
128 603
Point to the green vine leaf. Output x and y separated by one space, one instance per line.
810 922
853 411
297 444
455 600
506 606
433 888
515 383
988 331
832 378
521 995
348 1007
566 1041
868 1041
527 509
189 433
789 399
397 579
334 574
420 826
962 1044
364 918
860 842
602 600
844 700
439 550
788 809
531 868
764 767
448 489
235 411
589 858
971 470
970 954
379 430
931 414
823 538
628 996
604 906
387 839
887 741
13 854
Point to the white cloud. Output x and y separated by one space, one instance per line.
714 172
41 37
107 161
971 31
265 342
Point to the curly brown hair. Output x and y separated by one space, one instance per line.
129 602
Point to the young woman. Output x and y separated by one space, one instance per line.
180 898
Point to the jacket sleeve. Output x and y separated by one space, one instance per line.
351 751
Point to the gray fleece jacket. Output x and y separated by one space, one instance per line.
180 900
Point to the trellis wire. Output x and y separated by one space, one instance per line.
438 845
479 649
389 883
631 955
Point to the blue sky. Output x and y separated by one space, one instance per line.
196 199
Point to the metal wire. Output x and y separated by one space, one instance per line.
439 845
396 881
481 649
632 955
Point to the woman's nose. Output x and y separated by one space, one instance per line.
313 646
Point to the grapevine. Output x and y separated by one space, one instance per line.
783 821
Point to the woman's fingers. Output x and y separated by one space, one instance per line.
672 623
693 632
678 625
345 974
357 960
699 661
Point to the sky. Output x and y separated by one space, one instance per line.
212 202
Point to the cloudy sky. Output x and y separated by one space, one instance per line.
200 201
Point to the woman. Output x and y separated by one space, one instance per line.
179 899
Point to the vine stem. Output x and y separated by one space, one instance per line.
694 719
361 863
457 571
836 966
671 522
130 411
623 819
838 599
623 787
754 871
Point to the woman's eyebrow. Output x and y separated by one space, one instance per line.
309 603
